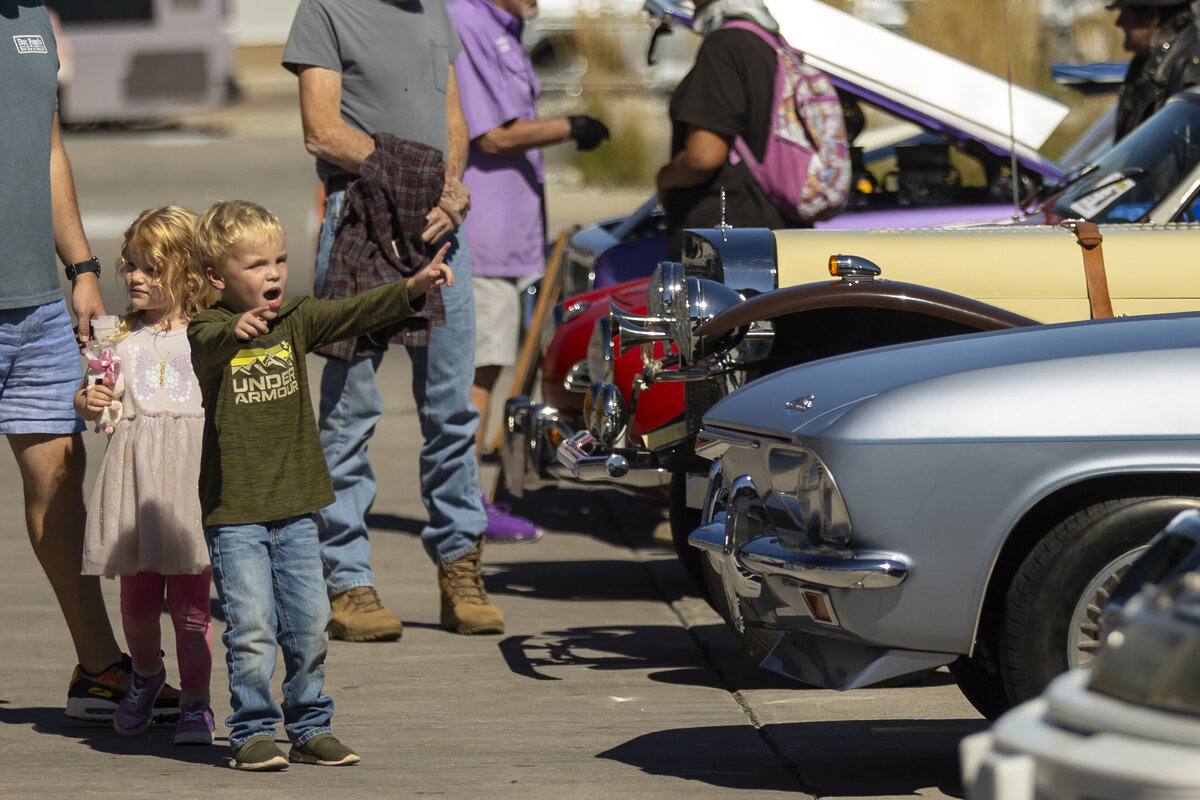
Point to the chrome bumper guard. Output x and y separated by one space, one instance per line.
540 450
807 564
531 433
743 538
585 459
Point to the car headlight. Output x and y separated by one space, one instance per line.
679 303
605 414
666 283
809 495
1153 657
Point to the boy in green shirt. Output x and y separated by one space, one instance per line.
263 473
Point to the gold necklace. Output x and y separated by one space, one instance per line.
162 362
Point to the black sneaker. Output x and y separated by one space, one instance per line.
94 698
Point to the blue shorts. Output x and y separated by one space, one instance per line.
40 370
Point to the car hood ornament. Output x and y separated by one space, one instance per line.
800 404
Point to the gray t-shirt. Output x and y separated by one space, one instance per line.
28 95
394 56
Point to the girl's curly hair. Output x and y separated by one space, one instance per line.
164 238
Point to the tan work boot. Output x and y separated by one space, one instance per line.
358 615
465 605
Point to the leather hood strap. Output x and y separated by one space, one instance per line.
1089 237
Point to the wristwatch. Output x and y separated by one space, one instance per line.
91 265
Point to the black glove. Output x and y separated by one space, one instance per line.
588 132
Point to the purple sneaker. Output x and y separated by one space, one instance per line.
504 526
195 724
136 711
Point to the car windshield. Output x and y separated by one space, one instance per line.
1139 171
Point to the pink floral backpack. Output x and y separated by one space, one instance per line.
805 171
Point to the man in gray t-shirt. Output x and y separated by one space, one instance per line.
385 66
40 369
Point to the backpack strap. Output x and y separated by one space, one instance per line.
774 39
741 150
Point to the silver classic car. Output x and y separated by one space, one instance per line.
969 501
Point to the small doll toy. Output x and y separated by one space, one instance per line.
107 367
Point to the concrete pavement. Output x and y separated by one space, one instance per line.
612 677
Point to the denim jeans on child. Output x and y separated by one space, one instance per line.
351 405
272 595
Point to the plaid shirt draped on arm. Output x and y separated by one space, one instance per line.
378 238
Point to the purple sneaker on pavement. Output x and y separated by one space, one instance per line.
504 526
195 724
136 711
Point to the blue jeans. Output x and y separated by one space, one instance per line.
351 405
272 595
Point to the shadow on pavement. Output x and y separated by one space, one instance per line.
158 742
643 647
566 511
606 515
394 524
726 756
579 580
865 758
668 652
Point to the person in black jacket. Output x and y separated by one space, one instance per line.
1164 39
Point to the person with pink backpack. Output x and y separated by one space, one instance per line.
758 138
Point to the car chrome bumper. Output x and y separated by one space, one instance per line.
743 538
587 460
791 586
540 450
814 565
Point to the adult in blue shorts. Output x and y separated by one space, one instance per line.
40 369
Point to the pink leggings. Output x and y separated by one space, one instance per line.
187 600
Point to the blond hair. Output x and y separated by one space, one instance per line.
163 238
225 224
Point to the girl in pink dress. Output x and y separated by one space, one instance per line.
143 520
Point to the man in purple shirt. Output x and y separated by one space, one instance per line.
506 230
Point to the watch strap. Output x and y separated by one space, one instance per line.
91 265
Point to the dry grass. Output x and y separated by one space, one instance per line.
975 33
628 158
1010 36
